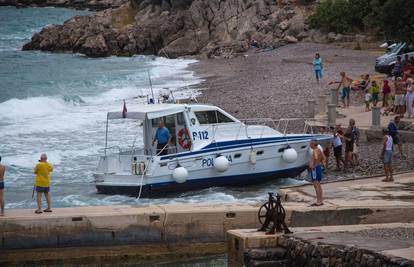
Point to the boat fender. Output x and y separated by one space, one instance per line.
180 175
290 155
221 164
134 166
141 168
252 157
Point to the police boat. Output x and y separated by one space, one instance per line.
208 148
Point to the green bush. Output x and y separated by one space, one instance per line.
392 18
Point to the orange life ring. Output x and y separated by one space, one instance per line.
184 139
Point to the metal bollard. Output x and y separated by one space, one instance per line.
322 105
334 96
311 108
331 115
376 118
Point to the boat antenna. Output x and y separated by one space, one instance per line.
150 82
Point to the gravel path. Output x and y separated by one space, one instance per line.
402 234
278 84
370 163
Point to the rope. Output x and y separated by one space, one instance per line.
145 169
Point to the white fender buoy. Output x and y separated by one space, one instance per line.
180 175
252 157
290 155
221 164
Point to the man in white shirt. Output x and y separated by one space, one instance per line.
386 156
337 148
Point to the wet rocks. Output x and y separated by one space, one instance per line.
177 28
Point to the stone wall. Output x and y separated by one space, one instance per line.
294 251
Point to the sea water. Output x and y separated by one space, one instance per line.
56 103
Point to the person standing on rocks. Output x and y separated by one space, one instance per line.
386 91
397 70
2 172
409 97
337 147
393 132
399 101
349 147
315 171
355 136
42 183
386 156
345 83
318 67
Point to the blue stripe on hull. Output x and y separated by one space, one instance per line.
217 146
171 188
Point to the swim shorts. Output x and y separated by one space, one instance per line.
316 174
346 91
1 185
338 151
388 157
399 100
349 146
395 139
42 189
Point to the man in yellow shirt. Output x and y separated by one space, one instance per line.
42 182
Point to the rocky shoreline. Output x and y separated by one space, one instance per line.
175 28
94 5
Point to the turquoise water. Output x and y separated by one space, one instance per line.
57 102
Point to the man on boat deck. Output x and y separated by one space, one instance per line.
315 171
163 138
42 182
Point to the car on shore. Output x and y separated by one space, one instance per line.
386 62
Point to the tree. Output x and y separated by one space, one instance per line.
397 20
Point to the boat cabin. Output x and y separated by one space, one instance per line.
191 127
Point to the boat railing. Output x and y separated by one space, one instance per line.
288 125
262 127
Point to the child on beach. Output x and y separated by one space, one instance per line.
318 67
386 91
374 90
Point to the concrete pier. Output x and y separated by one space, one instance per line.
322 246
93 234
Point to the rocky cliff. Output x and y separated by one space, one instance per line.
176 28
79 4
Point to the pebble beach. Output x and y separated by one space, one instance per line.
278 83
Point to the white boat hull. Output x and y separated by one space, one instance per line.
158 179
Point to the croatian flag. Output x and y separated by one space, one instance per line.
124 110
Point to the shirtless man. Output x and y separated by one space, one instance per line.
315 171
2 171
345 82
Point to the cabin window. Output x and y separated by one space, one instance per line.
236 156
260 152
211 117
180 119
221 118
206 117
